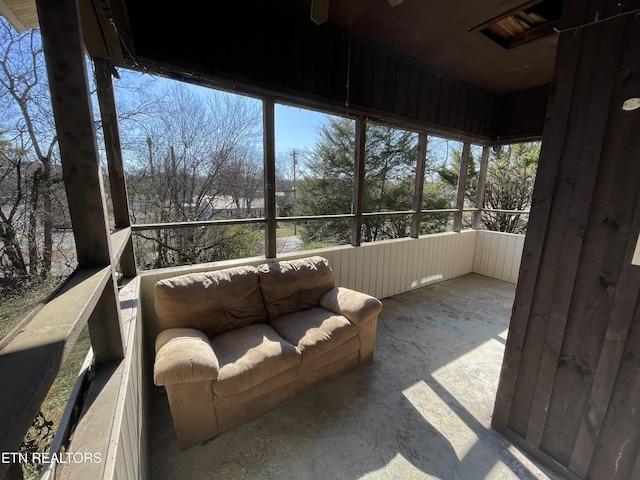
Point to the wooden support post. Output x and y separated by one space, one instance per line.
110 128
482 180
269 176
117 181
106 342
418 191
358 182
462 185
71 102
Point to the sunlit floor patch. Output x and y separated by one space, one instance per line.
435 411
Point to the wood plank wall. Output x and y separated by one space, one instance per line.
520 115
312 65
570 386
131 452
498 255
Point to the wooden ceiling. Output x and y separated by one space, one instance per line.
437 34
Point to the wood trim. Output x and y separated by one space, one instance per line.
119 240
122 250
269 176
111 131
358 181
545 459
418 190
462 185
140 227
482 180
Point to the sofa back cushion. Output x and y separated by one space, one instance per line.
213 302
293 285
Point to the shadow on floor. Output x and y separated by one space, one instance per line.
422 408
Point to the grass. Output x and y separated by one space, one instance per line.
285 229
14 309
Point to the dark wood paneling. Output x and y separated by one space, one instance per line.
569 387
424 96
591 293
278 54
521 115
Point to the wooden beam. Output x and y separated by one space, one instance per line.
106 341
482 179
418 191
122 249
30 361
62 41
71 102
462 186
358 181
269 175
108 112
100 35
111 131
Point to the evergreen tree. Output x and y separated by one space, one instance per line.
390 160
511 174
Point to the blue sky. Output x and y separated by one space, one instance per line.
296 128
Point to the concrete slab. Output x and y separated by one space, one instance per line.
421 410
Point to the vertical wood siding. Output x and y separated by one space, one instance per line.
520 115
498 255
130 459
570 383
383 269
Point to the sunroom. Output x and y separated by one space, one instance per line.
569 384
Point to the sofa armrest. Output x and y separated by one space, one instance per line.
355 306
184 355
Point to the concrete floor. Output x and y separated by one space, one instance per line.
421 410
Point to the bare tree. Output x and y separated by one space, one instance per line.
197 152
12 215
241 179
29 129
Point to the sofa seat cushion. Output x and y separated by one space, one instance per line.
314 331
251 355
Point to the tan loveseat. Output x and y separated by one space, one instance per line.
235 342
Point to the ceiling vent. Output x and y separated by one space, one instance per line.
528 22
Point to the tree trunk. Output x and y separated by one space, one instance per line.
12 250
47 221
32 230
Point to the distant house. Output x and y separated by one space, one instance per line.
226 207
